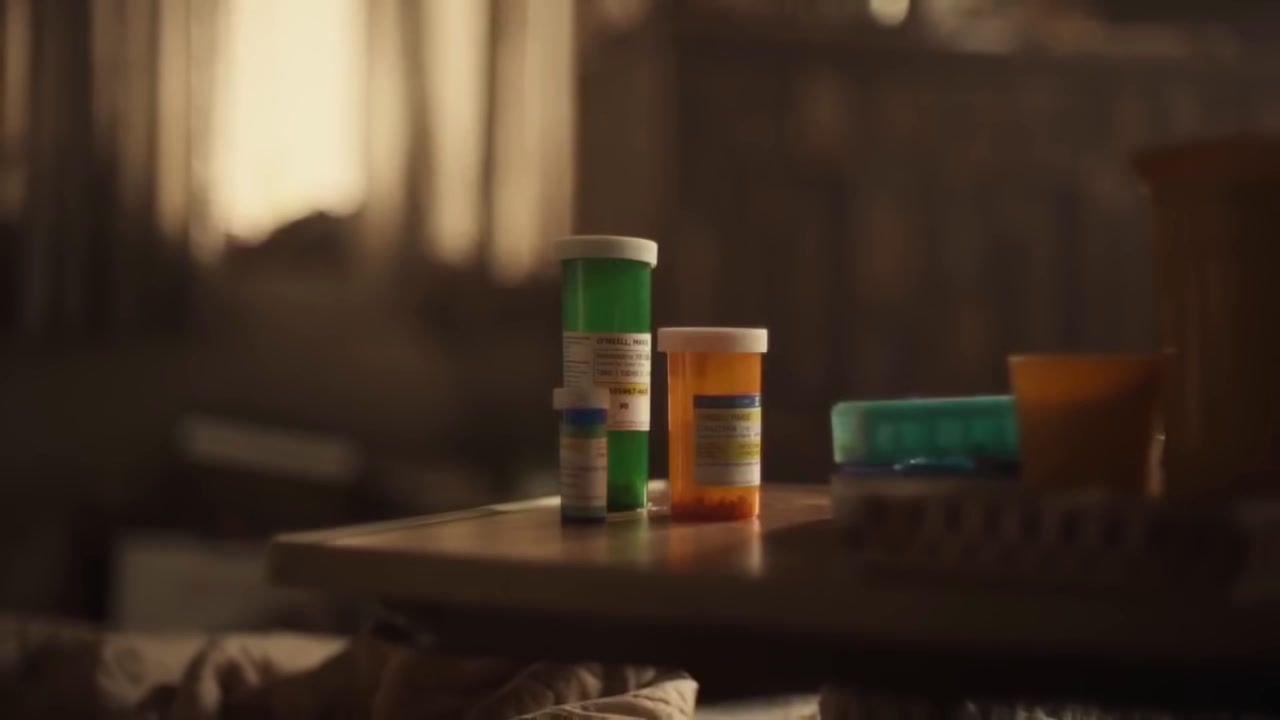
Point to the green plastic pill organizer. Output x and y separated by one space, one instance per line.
892 432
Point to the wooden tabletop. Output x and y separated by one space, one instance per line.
784 579
519 556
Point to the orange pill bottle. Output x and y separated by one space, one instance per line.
714 420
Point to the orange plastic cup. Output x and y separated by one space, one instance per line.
714 416
1086 421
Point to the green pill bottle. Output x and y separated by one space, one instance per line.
606 319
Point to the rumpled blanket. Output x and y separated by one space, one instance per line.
55 670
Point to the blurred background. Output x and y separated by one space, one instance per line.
273 264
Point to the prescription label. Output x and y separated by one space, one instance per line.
726 440
620 362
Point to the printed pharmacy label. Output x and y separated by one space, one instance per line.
617 361
726 440
584 465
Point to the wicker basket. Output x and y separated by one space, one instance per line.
991 532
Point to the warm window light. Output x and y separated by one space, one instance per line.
15 51
533 139
889 12
456 62
467 147
288 114
172 131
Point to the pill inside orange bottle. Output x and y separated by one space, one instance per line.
714 420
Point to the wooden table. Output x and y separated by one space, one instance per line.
775 604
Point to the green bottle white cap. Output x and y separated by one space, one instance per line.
615 247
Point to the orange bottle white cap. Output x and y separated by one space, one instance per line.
713 339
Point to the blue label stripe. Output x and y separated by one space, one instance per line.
726 402
584 416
